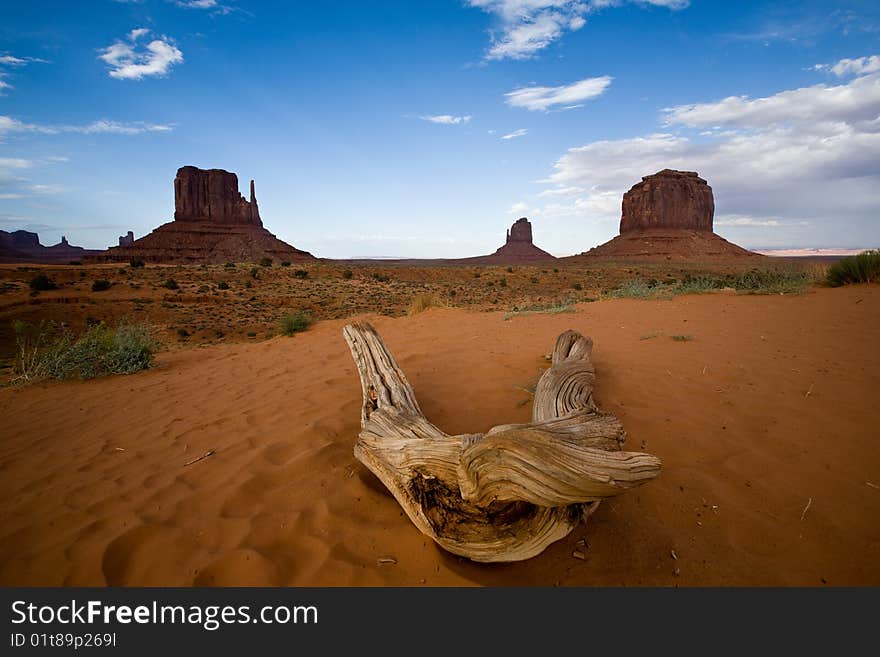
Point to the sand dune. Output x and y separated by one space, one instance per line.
766 422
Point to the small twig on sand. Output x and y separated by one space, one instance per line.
868 483
809 391
806 507
210 452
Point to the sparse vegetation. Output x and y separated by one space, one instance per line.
682 338
382 278
222 285
347 274
171 284
422 302
295 322
300 273
44 351
286 263
265 262
136 263
100 285
578 287
861 268
41 282
534 309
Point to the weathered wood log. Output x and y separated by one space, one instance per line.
509 493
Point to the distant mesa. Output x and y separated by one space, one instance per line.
517 249
24 246
668 216
213 223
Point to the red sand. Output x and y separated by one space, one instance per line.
766 422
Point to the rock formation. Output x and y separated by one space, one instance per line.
212 223
518 248
24 246
668 216
212 196
127 239
668 199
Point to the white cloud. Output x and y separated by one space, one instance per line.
545 98
446 119
803 163
563 191
45 189
211 5
522 132
128 61
858 66
528 26
102 126
854 102
11 61
519 208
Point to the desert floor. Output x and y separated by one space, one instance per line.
766 420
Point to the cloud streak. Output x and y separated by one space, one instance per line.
446 119
522 132
525 27
542 99
9 125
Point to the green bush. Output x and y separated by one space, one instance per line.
41 283
861 268
44 352
223 285
295 322
578 286
265 262
136 263
100 285
301 273
286 263
171 284
347 274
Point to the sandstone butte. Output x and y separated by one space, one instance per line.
213 223
24 246
668 215
517 249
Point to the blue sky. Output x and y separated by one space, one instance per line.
423 129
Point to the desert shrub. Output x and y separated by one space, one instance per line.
41 282
555 270
698 284
510 270
223 285
43 351
562 306
136 263
100 285
171 284
772 281
295 322
534 279
265 262
503 281
300 273
861 268
477 274
229 265
347 274
254 272
682 338
286 263
578 287
382 278
636 288
423 301
183 333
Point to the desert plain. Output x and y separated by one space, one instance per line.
229 462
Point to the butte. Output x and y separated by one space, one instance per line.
518 248
213 223
668 216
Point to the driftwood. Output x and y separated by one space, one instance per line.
509 493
